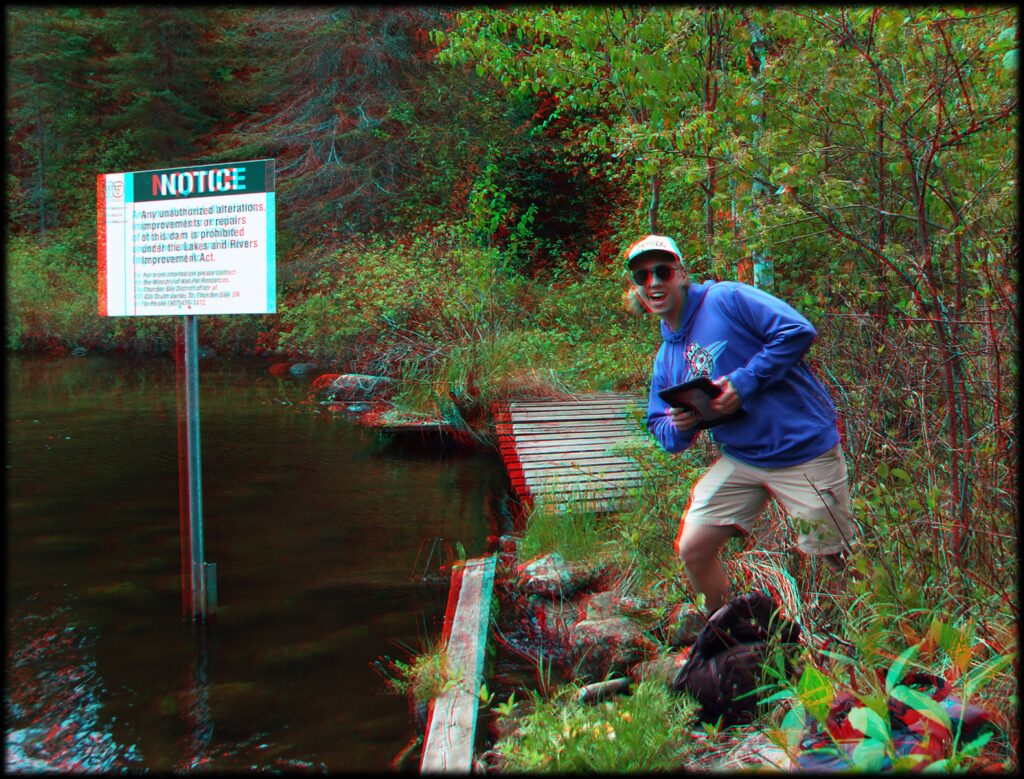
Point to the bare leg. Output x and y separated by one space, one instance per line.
698 547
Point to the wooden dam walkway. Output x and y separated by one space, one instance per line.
557 453
560 452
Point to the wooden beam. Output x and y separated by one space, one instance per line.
451 727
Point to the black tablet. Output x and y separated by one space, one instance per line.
696 395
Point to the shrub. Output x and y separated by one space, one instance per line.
51 295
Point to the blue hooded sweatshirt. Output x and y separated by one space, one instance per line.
758 341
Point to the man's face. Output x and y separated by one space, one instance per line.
661 296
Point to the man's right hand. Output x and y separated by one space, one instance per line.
683 419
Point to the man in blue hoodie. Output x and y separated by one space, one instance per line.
786 444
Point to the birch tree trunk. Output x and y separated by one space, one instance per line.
764 267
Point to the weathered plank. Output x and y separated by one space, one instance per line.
568 447
572 466
526 425
451 727
615 436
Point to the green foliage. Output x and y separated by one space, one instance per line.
49 302
575 533
875 676
425 677
338 112
645 529
647 731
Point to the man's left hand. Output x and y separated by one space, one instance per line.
729 401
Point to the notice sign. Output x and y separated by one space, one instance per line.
196 240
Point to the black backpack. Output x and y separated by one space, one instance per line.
724 666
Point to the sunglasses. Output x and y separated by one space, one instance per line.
642 275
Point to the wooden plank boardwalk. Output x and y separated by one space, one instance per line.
451 728
558 451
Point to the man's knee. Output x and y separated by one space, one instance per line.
698 546
690 553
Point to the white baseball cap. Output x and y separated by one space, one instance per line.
653 243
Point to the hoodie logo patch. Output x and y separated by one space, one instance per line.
701 360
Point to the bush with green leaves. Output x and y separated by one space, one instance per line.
868 668
425 676
51 294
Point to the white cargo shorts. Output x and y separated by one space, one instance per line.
816 494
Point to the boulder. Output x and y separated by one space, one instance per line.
552 576
662 668
552 620
599 605
357 386
302 368
533 625
601 647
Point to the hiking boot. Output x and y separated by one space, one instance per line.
686 633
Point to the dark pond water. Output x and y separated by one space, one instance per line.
320 532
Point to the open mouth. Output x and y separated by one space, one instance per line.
656 297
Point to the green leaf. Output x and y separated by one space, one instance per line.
816 692
1010 59
869 723
985 671
782 695
793 725
883 470
925 704
895 675
901 474
974 748
869 754
955 643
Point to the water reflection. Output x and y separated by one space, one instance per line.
55 694
315 527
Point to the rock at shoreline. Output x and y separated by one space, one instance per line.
601 647
552 576
303 368
662 668
356 386
552 620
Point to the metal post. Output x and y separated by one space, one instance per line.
184 520
201 605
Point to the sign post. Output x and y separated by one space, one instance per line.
202 604
188 241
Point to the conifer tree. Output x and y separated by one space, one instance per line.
333 101
48 111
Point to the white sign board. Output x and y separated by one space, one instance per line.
197 240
